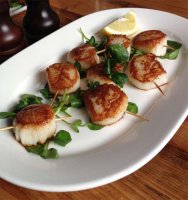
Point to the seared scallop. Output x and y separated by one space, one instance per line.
106 104
63 77
85 54
119 39
96 74
152 41
145 72
34 124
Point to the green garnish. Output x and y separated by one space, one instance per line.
118 52
109 66
74 125
102 44
62 138
49 153
135 52
4 115
79 68
132 107
46 92
76 100
94 127
93 85
60 104
26 100
43 151
37 149
92 41
119 78
172 52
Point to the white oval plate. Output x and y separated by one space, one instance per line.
94 158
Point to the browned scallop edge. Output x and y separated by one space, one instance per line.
111 107
61 80
36 114
152 67
84 53
125 41
148 38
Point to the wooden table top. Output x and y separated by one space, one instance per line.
166 175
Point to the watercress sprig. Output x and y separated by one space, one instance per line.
172 52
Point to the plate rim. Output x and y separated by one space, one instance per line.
118 175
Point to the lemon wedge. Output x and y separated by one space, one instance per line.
126 25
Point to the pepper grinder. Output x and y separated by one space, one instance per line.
11 35
39 20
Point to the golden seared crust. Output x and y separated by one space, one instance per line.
104 102
36 114
84 53
62 76
145 68
148 39
119 39
96 73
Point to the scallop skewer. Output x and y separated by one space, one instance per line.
146 73
34 124
106 104
85 54
119 39
151 41
63 77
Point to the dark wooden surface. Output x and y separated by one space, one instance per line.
165 176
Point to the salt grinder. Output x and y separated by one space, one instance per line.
39 20
11 35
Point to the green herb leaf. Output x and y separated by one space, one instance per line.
26 100
84 37
62 138
76 100
49 153
37 149
76 124
46 92
93 85
132 107
79 68
43 151
119 78
174 52
94 127
4 115
92 41
59 105
118 52
109 66
102 44
64 110
135 52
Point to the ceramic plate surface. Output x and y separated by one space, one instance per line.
94 158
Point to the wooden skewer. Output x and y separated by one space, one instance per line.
158 88
12 127
138 116
101 51
6 128
61 118
53 100
168 47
